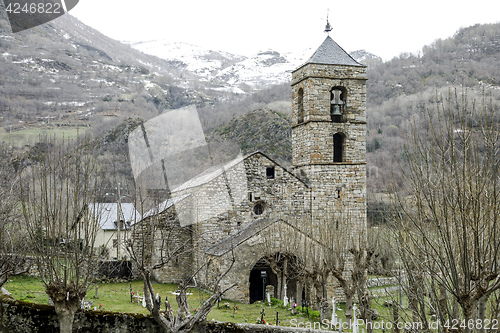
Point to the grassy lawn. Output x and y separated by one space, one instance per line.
30 136
116 297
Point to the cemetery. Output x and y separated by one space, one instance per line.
124 300
254 244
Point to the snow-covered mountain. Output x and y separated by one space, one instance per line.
227 71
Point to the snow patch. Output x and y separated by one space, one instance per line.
226 70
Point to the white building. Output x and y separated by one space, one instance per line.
110 234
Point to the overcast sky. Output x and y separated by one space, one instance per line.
384 27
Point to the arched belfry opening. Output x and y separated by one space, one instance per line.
337 104
338 147
300 106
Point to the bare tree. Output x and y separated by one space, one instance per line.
160 241
449 228
348 261
384 254
283 245
58 193
494 301
12 245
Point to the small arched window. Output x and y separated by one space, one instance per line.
300 106
338 147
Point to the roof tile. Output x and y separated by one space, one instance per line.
330 53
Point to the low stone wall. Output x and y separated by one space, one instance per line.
23 317
218 327
113 269
110 269
380 282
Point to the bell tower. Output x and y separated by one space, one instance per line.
329 133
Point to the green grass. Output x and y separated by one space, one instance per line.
378 276
30 136
116 297
27 288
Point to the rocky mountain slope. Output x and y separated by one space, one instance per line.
235 73
67 73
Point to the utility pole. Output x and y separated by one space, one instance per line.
118 218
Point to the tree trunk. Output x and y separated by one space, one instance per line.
300 287
443 306
277 291
349 291
367 312
395 316
318 287
65 311
481 312
348 305
67 300
467 311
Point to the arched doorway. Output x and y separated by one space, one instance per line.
261 276
287 266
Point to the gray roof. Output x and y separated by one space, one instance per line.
214 172
209 174
330 53
236 239
165 205
107 214
248 232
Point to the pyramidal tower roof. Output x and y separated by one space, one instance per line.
330 53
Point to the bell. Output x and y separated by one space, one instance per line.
336 110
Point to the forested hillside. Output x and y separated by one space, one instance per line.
72 75
399 90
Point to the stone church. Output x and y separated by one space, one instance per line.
265 221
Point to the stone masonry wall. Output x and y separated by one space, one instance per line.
338 189
179 240
283 197
313 142
156 240
339 198
23 317
217 216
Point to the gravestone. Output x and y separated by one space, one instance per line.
285 298
334 312
355 326
269 293
87 305
325 311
